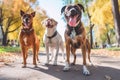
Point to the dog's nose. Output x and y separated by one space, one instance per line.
73 12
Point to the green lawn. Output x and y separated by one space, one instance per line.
17 49
14 49
9 49
114 49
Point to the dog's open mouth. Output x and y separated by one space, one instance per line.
72 21
26 25
49 25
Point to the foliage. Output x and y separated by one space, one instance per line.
11 22
102 17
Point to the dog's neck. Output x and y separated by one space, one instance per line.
50 31
77 29
27 30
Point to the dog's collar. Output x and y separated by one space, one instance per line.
27 30
77 29
50 37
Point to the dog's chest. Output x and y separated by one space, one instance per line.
27 40
73 34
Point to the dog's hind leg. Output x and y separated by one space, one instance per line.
88 51
37 52
34 55
73 50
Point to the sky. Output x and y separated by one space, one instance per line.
53 9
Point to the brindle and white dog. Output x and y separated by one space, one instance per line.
75 35
52 39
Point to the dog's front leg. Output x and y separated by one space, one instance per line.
67 63
24 52
47 53
85 70
56 54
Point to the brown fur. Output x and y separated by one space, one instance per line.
84 45
79 41
31 42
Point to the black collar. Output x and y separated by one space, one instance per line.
50 37
27 30
77 29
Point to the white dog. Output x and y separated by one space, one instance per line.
52 40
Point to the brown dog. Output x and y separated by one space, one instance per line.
28 38
75 35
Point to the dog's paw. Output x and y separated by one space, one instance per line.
35 66
24 66
47 62
72 64
67 67
86 72
55 63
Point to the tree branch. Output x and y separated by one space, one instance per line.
14 29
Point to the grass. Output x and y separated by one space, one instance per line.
114 49
5 49
9 49
18 50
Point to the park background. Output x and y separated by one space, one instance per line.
99 19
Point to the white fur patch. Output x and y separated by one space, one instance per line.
25 40
85 70
67 66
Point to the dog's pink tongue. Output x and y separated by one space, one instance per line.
72 21
26 26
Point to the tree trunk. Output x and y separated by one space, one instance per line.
91 28
91 36
108 38
116 15
4 40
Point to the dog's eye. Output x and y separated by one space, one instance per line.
69 7
76 7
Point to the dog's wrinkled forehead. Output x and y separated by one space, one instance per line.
75 7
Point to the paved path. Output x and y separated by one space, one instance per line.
104 66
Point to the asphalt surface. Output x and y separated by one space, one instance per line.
105 68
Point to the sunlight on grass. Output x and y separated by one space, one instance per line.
114 49
9 49
15 49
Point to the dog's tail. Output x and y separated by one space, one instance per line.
88 49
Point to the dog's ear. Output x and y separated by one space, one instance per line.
81 6
63 9
22 12
56 22
33 14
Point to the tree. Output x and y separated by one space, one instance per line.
10 16
116 14
10 21
102 17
